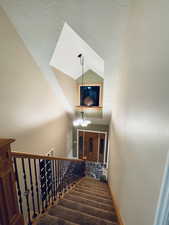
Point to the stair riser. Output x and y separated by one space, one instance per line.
89 202
53 220
105 190
91 197
77 217
96 193
89 210
100 185
94 186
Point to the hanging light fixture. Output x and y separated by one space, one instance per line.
81 121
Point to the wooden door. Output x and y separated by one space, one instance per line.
91 145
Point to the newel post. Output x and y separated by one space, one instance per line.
9 210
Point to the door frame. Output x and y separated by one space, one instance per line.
162 211
94 131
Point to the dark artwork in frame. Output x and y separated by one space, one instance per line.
89 96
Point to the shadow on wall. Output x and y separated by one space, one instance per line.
56 135
68 85
115 169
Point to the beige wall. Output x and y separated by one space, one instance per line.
29 110
68 85
140 118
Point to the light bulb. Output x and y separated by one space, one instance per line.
84 124
81 122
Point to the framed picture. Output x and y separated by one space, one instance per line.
90 95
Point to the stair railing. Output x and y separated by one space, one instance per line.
42 180
39 182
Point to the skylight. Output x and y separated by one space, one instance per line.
69 45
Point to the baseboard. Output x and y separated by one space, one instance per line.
117 210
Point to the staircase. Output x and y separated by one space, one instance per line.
45 190
88 203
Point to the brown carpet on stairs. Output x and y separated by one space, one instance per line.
89 203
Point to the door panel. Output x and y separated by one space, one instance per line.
101 147
91 146
81 144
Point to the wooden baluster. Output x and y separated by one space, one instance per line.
18 185
26 191
9 209
37 185
32 189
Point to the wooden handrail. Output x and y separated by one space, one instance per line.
35 156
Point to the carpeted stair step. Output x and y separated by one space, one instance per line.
93 187
95 183
100 213
104 191
94 193
91 197
90 202
76 216
53 220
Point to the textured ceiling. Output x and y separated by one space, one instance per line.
100 23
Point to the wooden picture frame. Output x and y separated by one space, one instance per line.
100 96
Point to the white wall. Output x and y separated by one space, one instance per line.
29 109
99 23
140 117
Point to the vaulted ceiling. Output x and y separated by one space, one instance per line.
65 56
99 23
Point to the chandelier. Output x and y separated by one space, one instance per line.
81 121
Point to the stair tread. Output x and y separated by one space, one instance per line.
89 202
54 220
77 216
104 189
104 214
92 185
101 195
93 180
94 198
96 182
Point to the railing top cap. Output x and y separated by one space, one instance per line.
34 156
5 141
